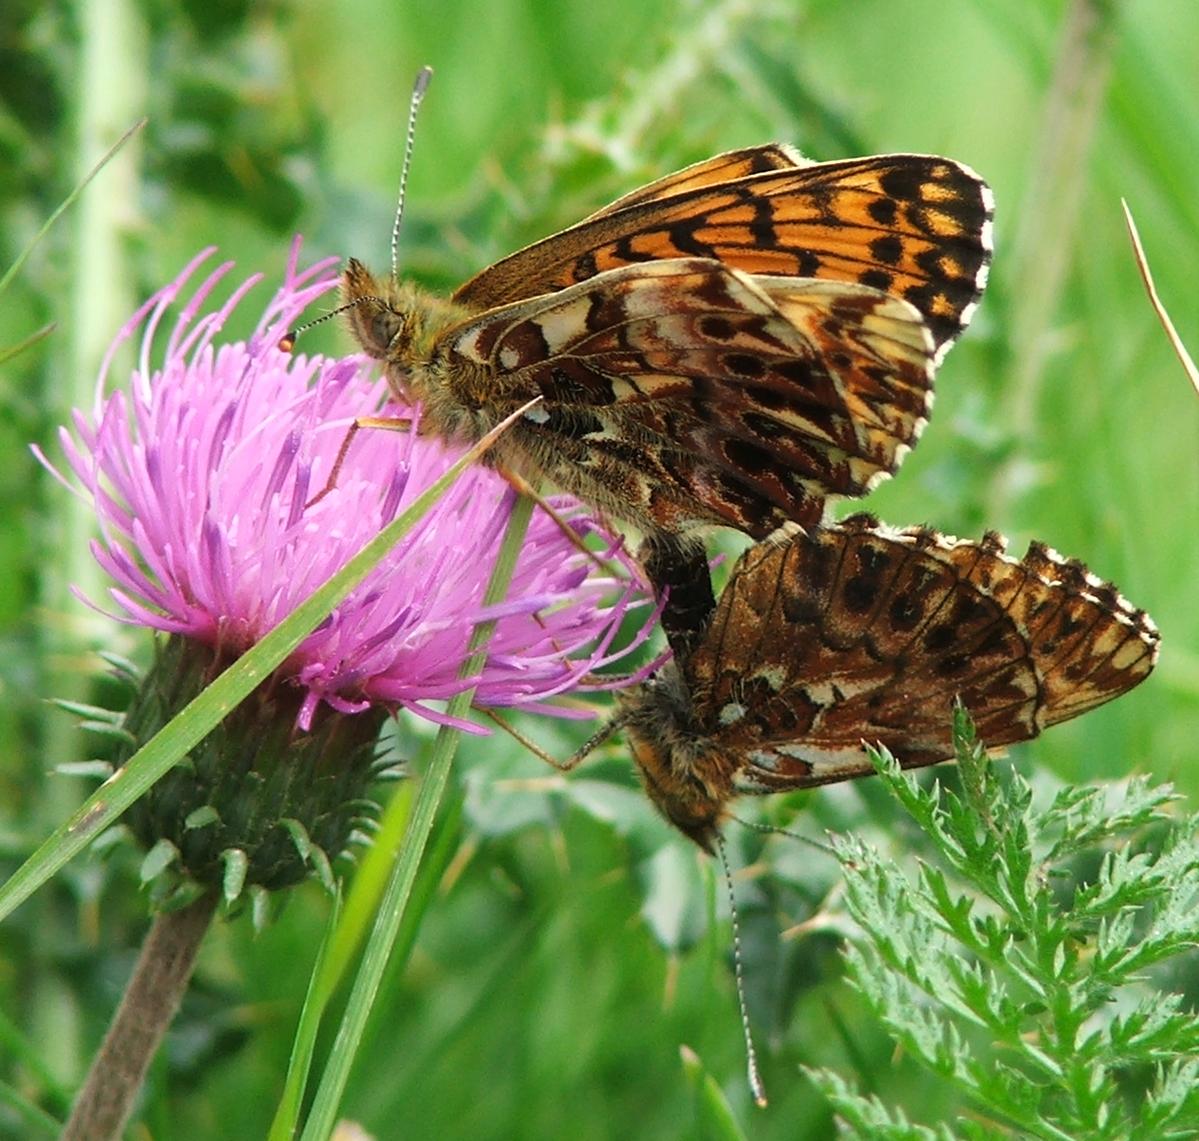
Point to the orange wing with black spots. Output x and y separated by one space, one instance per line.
872 633
853 634
915 226
694 394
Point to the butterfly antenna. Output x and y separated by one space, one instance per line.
287 342
418 93
756 1086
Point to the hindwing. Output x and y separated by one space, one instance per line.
711 395
857 634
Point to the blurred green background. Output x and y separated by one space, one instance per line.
571 944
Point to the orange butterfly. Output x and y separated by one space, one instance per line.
830 638
727 346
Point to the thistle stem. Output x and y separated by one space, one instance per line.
147 1008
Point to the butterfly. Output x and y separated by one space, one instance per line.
727 346
829 638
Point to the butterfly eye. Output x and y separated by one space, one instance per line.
378 327
389 329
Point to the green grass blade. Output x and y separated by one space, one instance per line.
65 205
714 1115
11 351
345 934
287 1116
1176 342
369 884
40 1123
399 888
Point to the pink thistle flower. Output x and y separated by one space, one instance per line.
202 478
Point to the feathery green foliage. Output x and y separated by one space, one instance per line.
1017 962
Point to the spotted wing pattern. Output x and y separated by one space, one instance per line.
834 637
688 393
915 226
857 633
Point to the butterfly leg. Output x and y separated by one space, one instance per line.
522 487
387 423
611 726
680 564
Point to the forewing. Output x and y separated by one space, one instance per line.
915 226
727 167
701 395
854 633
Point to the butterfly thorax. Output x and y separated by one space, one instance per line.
686 774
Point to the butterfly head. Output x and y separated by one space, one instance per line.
385 317
688 779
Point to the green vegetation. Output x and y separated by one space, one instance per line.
567 945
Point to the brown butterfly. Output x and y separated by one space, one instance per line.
830 638
726 346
